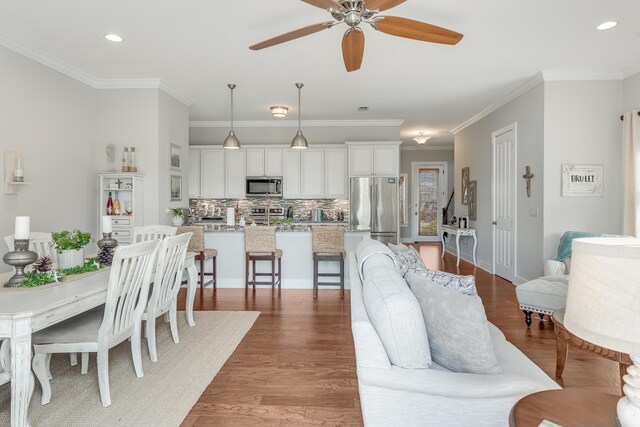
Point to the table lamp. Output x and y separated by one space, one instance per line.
603 306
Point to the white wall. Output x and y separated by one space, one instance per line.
51 119
473 149
173 129
409 156
631 92
582 126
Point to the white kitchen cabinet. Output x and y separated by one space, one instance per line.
312 173
374 160
194 173
273 161
255 162
291 174
212 173
336 173
236 174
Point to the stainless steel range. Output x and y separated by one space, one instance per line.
263 217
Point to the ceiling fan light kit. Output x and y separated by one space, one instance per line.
353 13
279 111
299 142
231 142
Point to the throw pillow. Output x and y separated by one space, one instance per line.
397 318
457 328
465 285
407 257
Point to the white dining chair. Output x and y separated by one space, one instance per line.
104 327
39 242
166 284
153 232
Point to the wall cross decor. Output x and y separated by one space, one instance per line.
527 176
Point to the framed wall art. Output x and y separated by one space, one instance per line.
465 186
175 157
473 200
176 188
402 190
582 180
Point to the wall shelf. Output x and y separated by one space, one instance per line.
10 160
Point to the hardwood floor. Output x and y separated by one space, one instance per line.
296 366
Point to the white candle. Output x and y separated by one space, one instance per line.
106 224
23 223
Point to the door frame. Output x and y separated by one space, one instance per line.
415 197
494 135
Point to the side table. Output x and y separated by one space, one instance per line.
459 232
564 337
566 408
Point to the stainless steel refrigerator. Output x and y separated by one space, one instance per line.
374 206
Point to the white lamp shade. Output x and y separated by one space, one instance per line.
603 303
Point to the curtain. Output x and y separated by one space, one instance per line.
631 173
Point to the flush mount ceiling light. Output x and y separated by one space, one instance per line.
279 111
299 141
231 142
114 38
421 138
606 25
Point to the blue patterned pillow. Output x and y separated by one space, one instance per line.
407 257
465 285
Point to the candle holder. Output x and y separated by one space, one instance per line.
108 244
19 258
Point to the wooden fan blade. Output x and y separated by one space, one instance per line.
410 29
381 5
324 4
292 35
353 49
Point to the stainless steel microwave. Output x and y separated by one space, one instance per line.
264 186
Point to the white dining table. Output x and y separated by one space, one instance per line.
24 311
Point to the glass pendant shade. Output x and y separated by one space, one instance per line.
231 142
299 142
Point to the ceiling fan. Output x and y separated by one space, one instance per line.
355 12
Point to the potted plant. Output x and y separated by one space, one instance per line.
176 215
70 247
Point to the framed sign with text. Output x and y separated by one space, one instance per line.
582 180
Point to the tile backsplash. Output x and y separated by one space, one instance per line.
301 207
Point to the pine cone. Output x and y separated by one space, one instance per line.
105 256
43 265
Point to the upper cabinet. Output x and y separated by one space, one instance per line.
273 162
194 173
376 159
312 173
236 174
255 162
291 174
336 173
212 176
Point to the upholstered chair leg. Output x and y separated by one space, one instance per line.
73 357
173 316
527 318
273 272
541 316
39 365
315 277
201 271
246 269
279 273
342 279
136 349
84 368
254 274
48 363
215 273
103 376
150 332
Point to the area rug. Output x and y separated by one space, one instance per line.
166 393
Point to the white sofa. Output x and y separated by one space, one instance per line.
394 396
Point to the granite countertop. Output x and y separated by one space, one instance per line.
296 228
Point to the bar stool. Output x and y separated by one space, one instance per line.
328 245
196 244
260 245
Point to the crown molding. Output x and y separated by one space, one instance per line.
528 85
144 84
631 70
177 94
45 59
294 123
581 75
441 147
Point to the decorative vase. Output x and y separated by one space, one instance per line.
177 221
71 258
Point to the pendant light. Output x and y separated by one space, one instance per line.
299 141
231 142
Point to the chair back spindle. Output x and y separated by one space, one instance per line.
153 232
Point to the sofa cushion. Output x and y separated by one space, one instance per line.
372 252
407 258
396 316
457 329
462 284
547 292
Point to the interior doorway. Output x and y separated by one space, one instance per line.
429 189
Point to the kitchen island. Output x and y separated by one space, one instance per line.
297 259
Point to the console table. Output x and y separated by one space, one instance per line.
459 232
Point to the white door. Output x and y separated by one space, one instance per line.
429 190
504 202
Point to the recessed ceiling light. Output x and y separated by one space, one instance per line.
606 25
114 38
